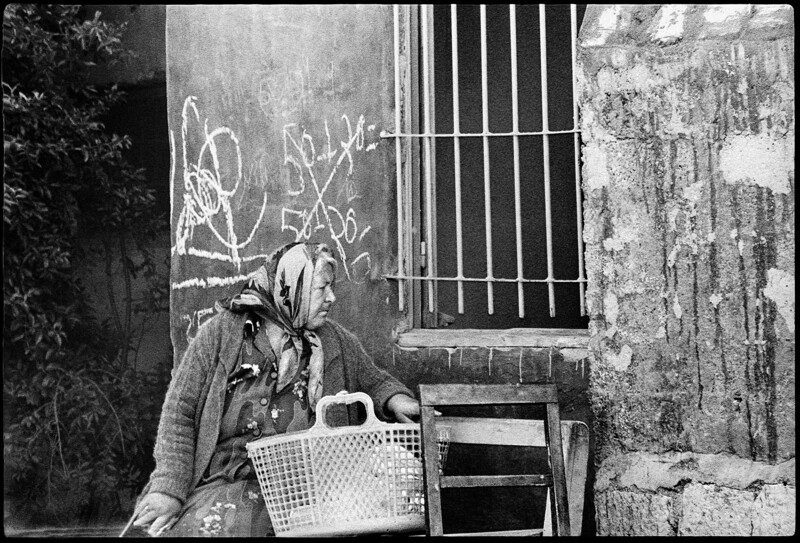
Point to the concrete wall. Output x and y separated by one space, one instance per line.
688 130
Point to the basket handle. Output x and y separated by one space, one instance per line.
347 398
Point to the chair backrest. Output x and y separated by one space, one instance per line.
530 433
567 448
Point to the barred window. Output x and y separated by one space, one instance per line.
488 166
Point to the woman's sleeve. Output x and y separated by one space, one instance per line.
369 378
176 440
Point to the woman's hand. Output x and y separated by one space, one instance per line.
403 407
157 510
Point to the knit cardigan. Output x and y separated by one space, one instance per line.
189 426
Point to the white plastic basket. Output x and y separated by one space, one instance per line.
346 480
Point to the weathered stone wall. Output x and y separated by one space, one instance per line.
687 115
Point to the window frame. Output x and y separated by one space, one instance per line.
414 256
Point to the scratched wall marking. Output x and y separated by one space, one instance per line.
195 319
204 197
319 169
285 93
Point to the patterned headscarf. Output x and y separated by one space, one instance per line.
280 291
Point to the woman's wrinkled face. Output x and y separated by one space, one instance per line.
322 297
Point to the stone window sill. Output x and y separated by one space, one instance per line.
513 337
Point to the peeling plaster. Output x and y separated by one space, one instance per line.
593 130
670 26
638 79
673 255
715 299
693 193
622 237
718 13
673 217
676 307
610 308
759 160
769 15
596 166
621 361
606 26
780 289
613 244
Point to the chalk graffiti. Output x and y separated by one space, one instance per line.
205 197
195 319
284 93
305 168
208 282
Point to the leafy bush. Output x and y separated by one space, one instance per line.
75 438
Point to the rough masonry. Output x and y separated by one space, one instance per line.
687 115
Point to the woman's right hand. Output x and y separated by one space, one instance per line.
157 510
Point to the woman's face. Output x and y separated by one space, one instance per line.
322 297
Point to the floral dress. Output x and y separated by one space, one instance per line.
228 499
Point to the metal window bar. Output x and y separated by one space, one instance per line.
398 161
428 136
487 200
573 19
548 224
413 155
427 39
457 156
512 13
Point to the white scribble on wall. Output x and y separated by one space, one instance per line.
284 94
310 169
205 197
195 319
208 282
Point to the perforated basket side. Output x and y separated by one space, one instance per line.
349 488
285 475
344 480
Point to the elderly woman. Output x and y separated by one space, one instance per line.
257 368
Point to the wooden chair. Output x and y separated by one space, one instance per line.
567 443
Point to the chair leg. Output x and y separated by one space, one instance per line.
430 448
547 527
556 457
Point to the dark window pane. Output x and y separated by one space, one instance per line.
501 158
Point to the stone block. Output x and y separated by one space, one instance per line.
710 510
775 511
771 21
621 513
